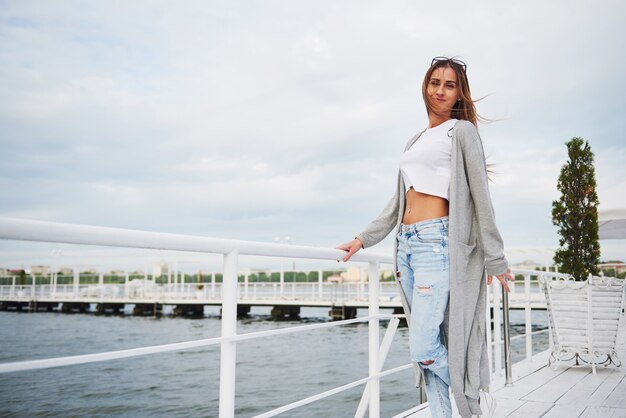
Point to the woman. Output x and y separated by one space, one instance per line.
446 240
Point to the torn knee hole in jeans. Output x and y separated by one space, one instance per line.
427 362
423 289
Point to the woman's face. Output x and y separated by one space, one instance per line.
443 90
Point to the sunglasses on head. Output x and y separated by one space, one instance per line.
449 61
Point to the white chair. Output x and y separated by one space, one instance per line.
585 318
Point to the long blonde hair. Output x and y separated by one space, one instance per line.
462 109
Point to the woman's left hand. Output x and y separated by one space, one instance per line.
504 279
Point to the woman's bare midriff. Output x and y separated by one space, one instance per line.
420 207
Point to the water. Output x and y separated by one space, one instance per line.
271 372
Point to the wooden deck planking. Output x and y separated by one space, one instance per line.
563 411
602 412
542 391
598 397
555 388
504 407
583 391
526 385
528 409
617 398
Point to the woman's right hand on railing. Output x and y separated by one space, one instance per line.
350 248
504 278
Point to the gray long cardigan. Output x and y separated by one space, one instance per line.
475 246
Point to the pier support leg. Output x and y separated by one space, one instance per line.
285 312
35 306
148 309
338 313
74 307
189 310
109 308
143 309
243 311
11 305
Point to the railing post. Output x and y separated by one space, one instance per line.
529 324
507 338
175 276
212 285
488 323
374 365
282 278
169 279
320 280
101 285
228 355
497 344
76 282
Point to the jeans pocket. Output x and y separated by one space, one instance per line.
431 235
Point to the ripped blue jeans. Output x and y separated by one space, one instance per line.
424 273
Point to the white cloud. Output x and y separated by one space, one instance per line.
275 118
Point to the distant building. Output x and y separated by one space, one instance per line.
352 275
40 270
527 265
66 271
161 269
619 266
335 278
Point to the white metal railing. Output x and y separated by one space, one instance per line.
19 229
230 290
532 291
141 289
146 291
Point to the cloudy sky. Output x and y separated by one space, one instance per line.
262 119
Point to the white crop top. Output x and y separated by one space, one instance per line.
426 165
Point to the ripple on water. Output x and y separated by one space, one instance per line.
271 371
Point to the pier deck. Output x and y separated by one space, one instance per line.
542 391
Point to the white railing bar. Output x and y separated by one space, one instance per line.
528 319
490 347
228 349
533 333
109 355
521 336
331 392
540 273
373 339
30 230
163 348
385 345
497 346
301 328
